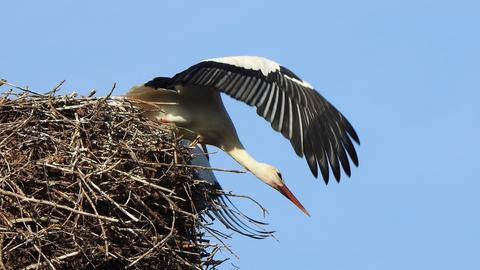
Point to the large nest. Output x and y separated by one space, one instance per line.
88 183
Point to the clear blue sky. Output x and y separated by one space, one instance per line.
406 74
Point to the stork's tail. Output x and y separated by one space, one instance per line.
148 93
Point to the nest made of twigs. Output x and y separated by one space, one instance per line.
88 183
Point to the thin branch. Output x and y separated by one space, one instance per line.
49 203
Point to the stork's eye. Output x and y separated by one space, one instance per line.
279 175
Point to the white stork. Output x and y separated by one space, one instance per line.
191 101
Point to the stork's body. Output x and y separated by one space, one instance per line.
191 100
198 112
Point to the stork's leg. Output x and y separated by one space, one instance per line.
167 118
163 120
205 150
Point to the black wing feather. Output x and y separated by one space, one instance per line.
327 135
296 136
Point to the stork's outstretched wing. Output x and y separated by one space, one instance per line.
314 127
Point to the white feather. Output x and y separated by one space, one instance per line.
262 64
302 83
249 62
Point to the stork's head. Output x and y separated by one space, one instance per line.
272 176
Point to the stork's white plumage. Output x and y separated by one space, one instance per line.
191 100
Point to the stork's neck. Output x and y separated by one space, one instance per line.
244 158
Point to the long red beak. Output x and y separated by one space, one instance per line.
287 193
